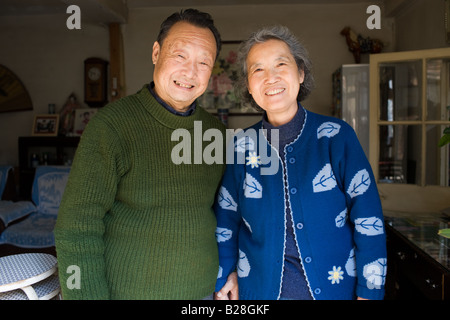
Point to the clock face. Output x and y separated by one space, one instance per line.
94 73
95 82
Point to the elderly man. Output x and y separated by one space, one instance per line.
132 223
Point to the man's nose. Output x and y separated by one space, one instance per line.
190 69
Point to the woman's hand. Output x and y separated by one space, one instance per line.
230 290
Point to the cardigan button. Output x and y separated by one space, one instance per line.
308 259
293 190
291 160
317 291
299 226
290 148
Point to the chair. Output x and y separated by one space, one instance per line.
11 211
29 276
35 231
7 185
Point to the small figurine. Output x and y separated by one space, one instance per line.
358 45
67 115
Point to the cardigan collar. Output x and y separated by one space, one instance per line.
288 132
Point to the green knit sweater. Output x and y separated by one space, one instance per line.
134 224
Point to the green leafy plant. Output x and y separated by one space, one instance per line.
444 233
445 139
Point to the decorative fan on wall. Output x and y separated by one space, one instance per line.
13 95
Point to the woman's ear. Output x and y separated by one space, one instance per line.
301 75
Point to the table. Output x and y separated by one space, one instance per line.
418 258
23 271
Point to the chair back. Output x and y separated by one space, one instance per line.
48 188
4 171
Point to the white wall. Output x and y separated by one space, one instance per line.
421 26
48 57
317 26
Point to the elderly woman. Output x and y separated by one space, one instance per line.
314 229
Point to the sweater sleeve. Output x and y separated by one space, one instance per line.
89 195
228 216
366 215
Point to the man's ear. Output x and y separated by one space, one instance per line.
156 51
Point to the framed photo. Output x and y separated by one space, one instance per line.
82 117
46 125
220 93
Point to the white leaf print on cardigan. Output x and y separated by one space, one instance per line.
341 219
328 129
369 226
350 265
243 268
359 184
375 273
252 188
324 180
223 234
225 200
244 143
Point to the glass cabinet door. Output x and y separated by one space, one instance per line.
410 109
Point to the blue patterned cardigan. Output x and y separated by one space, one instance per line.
336 212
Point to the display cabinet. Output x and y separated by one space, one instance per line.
409 111
418 258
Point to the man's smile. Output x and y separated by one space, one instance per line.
183 85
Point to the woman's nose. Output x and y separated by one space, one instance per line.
271 76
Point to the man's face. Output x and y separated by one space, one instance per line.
183 64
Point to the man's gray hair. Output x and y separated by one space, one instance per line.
298 51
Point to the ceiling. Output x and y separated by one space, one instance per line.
26 7
31 7
109 11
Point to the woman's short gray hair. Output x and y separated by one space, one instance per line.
298 51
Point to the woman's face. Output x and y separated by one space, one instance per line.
273 77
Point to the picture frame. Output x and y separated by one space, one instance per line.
220 94
45 125
82 118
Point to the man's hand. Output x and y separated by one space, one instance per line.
230 290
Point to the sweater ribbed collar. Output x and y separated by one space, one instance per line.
164 116
287 132
190 110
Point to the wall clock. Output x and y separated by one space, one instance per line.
95 82
13 95
447 20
